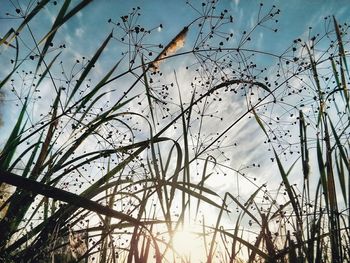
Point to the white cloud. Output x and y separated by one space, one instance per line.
79 32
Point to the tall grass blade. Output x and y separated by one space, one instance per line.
64 196
204 177
340 146
12 142
291 196
321 168
45 147
216 229
342 54
94 91
34 148
88 67
186 168
318 84
51 34
265 257
244 208
61 19
47 69
6 36
38 7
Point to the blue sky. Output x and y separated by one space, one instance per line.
90 27
296 16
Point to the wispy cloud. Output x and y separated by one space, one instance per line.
79 32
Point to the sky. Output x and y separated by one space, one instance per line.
83 35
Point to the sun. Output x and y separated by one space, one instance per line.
187 245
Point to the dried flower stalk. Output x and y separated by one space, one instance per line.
76 244
6 191
176 43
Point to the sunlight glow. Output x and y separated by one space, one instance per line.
187 245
